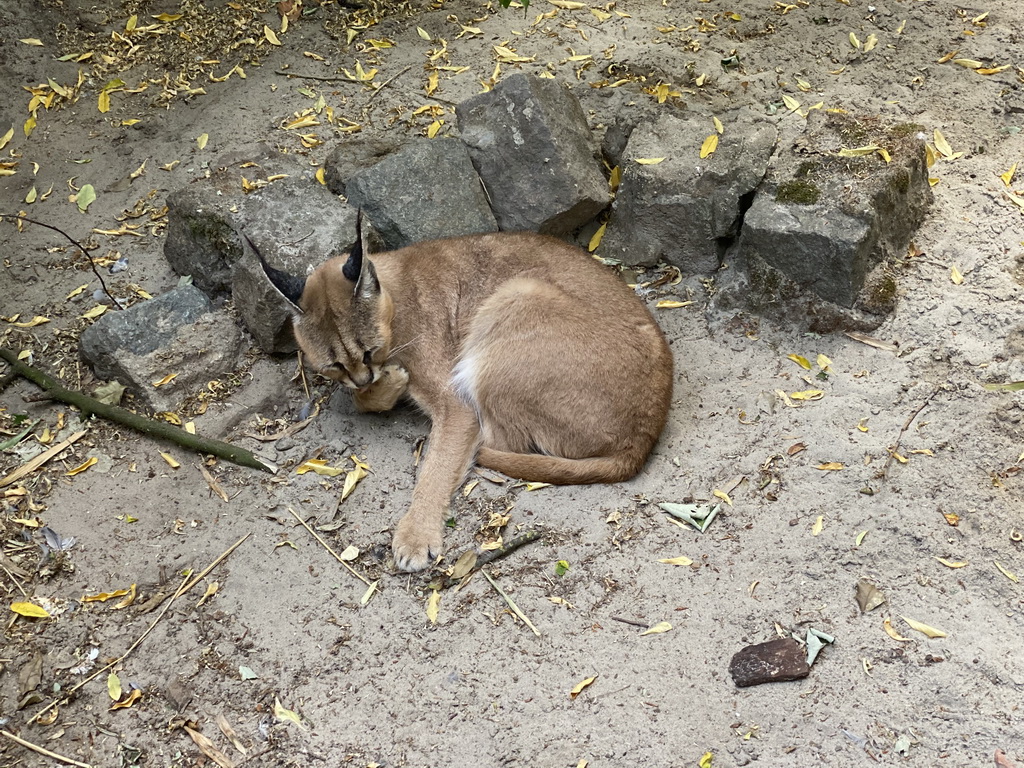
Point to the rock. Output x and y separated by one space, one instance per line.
352 156
531 145
775 661
426 191
830 227
174 333
685 210
296 224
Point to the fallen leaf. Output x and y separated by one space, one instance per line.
433 605
831 466
952 518
170 460
30 610
952 563
30 41
803 362
718 124
807 394
791 104
671 304
270 35
595 241
708 147
681 560
891 632
165 380
819 525
35 321
114 686
81 467
723 496
869 596
650 160
796 448
319 466
1012 577
860 538
202 139
657 629
536 486
207 748
581 685
941 144
465 564
132 697
1006 177
370 590
102 597
95 312
955 276
85 197
286 715
6 137
924 628
352 480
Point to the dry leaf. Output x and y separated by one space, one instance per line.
286 715
1012 577
1006 177
102 597
952 563
681 560
955 276
796 448
891 632
114 686
30 610
657 629
718 125
860 538
580 686
807 394
165 380
819 525
433 605
207 748
671 304
803 362
171 461
869 596
132 697
595 241
791 104
319 466
352 480
465 564
95 312
81 467
649 160
923 628
709 146
536 486
941 144
202 139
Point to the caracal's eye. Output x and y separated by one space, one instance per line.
336 369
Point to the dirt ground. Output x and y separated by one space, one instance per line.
930 460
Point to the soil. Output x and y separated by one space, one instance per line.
903 459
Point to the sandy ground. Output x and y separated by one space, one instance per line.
379 684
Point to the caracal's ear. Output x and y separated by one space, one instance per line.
359 269
289 286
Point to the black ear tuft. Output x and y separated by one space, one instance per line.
290 286
354 265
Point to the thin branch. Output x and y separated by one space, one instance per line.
285 73
75 243
386 83
906 426
327 547
41 751
161 429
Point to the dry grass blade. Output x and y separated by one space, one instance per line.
34 464
212 482
207 748
229 733
326 546
511 603
41 751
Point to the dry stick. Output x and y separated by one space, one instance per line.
327 547
74 242
511 604
161 429
631 622
386 83
527 537
906 426
338 79
34 464
41 751
178 593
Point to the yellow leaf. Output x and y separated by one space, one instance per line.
114 686
368 594
952 563
320 175
871 42
6 137
807 394
613 179
433 605
955 276
884 154
319 466
861 426
30 609
167 17
32 195
992 70
718 124
941 144
650 160
95 312
595 241
657 629
82 467
29 126
722 495
170 460
860 538
351 481
1012 577
270 35
601 15
859 151
890 630
202 139
791 104
969 63
432 83
800 360
581 685
284 715
1006 177
422 33
434 128
707 757
924 628
824 363
854 41
35 321
165 380
819 525
536 486
672 304
30 41
709 146
103 101
134 696
568 5
677 561
831 466
132 22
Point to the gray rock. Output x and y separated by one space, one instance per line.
201 241
531 145
296 224
174 333
426 191
827 225
772 662
353 155
685 210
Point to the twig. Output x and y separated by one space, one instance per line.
38 461
325 545
75 243
906 426
631 622
178 593
161 429
527 537
41 751
511 604
338 79
386 83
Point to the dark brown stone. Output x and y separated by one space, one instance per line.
771 662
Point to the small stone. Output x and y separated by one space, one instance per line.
772 662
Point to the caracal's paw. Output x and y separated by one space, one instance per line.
416 544
395 375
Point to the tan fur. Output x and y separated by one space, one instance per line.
561 374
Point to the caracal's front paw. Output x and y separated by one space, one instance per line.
396 376
417 543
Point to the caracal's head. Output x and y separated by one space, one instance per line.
341 316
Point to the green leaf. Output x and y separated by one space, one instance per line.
1012 386
561 567
86 196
